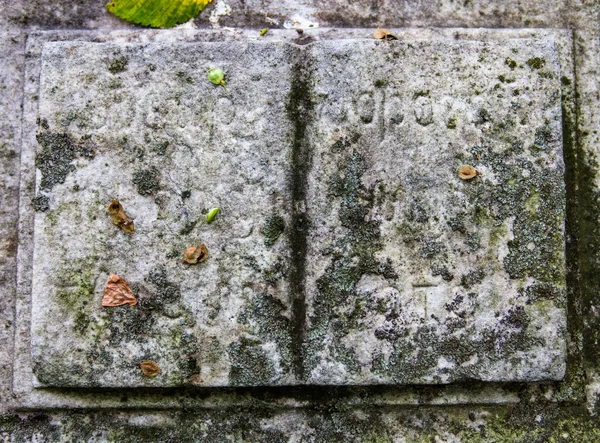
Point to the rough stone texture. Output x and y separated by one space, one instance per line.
11 81
414 275
443 279
329 414
153 133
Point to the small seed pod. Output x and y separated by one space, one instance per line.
117 292
384 34
216 76
467 172
211 215
149 368
119 218
195 254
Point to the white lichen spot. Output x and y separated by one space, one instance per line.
221 9
298 22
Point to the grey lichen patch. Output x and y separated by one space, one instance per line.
250 364
118 65
274 273
353 255
41 203
536 249
536 63
483 116
510 63
472 278
272 326
546 291
147 180
272 229
189 226
505 79
543 138
56 157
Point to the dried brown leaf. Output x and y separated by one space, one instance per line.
384 34
119 218
467 172
118 292
195 254
149 368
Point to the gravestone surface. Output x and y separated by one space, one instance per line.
414 275
347 249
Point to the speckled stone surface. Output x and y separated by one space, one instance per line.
153 133
413 274
347 250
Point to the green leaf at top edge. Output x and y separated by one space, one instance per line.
157 13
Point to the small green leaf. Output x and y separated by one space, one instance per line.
216 76
211 215
264 31
157 13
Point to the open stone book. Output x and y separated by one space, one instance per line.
347 249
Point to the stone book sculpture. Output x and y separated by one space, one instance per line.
348 249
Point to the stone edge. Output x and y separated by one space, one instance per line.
26 397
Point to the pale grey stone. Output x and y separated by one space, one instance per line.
349 111
169 145
530 418
414 275
11 85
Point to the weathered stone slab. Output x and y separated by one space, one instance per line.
146 127
406 274
414 275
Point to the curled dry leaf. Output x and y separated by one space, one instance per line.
384 34
149 368
195 254
119 218
118 292
467 172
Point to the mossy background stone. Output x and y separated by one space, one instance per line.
322 413
415 275
165 150
393 270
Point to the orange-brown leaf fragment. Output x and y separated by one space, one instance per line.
119 218
118 292
195 254
149 368
467 172
384 34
